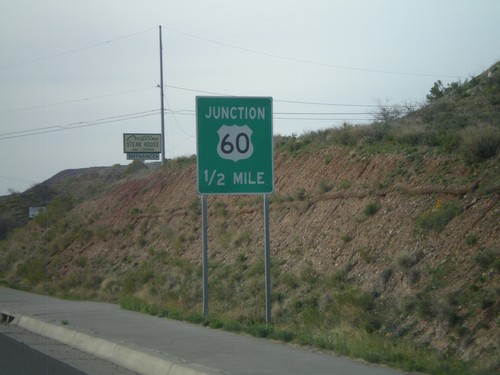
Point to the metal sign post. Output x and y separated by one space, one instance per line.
267 258
204 239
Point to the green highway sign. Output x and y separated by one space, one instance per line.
234 145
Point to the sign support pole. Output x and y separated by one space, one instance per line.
267 258
204 235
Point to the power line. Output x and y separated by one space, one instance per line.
194 90
188 112
75 100
321 113
322 119
173 113
85 99
332 104
131 116
77 125
191 112
310 62
72 50
286 101
232 46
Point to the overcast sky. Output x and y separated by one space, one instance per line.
76 75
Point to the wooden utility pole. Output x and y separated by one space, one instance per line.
162 105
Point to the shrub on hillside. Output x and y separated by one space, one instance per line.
371 208
5 226
411 133
437 219
480 142
135 166
56 210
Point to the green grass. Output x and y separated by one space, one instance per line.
347 322
342 340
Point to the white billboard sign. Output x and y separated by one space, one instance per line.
142 143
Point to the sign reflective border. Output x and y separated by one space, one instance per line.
234 145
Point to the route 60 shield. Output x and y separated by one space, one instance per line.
235 142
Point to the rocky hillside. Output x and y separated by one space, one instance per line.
385 240
79 184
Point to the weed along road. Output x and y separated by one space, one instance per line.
151 345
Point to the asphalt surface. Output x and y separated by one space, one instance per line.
24 353
19 359
151 345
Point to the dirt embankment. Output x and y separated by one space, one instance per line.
338 210
418 232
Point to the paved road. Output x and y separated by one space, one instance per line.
19 359
25 353
146 344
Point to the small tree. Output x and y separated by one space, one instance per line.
437 91
386 113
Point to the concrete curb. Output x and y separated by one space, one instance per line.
124 356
